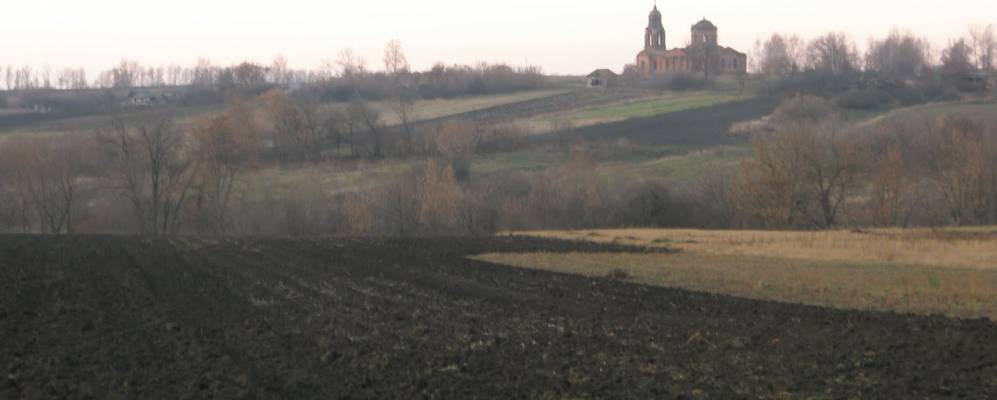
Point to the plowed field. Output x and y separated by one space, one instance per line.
123 317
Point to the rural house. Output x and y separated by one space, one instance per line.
601 78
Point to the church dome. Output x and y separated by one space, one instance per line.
654 19
704 25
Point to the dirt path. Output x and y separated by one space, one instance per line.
123 317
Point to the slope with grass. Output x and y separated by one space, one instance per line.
423 110
925 114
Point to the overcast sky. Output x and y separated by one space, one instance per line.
565 37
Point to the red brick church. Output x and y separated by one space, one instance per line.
703 55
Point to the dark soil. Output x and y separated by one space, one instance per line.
700 127
134 318
573 100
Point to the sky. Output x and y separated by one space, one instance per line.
562 36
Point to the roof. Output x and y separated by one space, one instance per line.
733 50
672 52
704 25
600 72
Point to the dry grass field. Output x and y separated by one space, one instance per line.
947 271
438 108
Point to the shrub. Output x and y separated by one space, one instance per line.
863 99
951 94
671 81
906 95
803 108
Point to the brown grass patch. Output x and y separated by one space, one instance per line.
948 272
955 247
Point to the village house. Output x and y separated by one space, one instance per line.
601 78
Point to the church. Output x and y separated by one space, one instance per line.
704 55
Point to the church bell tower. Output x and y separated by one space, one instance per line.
654 35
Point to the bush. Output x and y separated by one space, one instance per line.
803 108
671 81
951 94
934 90
863 99
906 95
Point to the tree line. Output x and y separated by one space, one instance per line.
340 78
811 170
833 62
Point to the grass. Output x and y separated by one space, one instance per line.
89 123
648 108
949 271
330 177
954 247
928 113
438 108
424 110
682 168
669 165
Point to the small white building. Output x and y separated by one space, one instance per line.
602 78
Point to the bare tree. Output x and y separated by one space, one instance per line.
984 45
455 143
834 165
295 126
800 175
963 166
148 164
779 55
403 106
174 75
714 197
957 58
249 76
394 58
350 63
893 194
125 75
204 74
368 119
14 202
46 172
901 54
439 199
832 53
279 72
566 197
769 186
46 77
225 145
9 78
